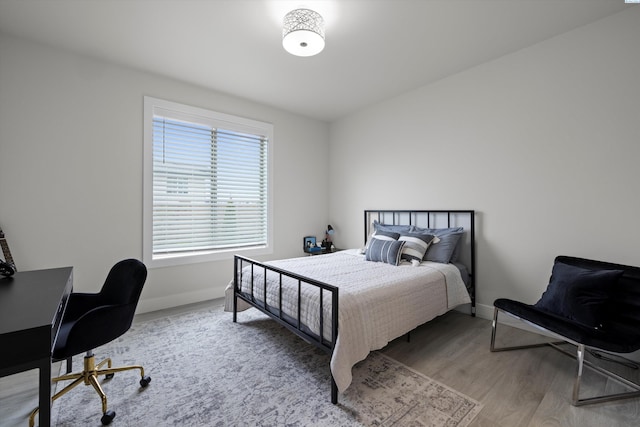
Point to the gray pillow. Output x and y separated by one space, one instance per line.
443 250
436 231
455 257
385 235
388 251
391 227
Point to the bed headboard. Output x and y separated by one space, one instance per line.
434 219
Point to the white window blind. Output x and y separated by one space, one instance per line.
210 184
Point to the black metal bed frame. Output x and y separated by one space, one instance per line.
294 323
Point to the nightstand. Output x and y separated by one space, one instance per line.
322 251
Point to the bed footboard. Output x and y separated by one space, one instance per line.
258 287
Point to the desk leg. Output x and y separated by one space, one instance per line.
45 393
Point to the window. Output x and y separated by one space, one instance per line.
206 185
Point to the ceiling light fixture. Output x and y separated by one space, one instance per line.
303 32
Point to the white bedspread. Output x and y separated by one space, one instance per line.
378 302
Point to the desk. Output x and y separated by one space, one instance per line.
31 307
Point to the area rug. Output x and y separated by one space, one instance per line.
208 371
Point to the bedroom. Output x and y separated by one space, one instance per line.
541 142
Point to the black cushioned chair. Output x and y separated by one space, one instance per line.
92 320
593 305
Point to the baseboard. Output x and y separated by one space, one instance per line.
484 311
154 304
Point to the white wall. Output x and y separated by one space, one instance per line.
544 143
71 169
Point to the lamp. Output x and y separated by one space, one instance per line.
326 243
303 32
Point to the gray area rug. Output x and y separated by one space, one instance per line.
208 371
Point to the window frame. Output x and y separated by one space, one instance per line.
174 110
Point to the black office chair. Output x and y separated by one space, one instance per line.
92 320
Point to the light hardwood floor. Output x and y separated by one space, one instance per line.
524 388
521 388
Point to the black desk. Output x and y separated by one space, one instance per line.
31 307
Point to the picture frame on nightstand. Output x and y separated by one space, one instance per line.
309 244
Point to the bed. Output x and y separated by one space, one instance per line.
352 302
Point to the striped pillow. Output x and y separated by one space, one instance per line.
388 251
416 245
380 235
385 235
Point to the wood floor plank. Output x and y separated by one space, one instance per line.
527 388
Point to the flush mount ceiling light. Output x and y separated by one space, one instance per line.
303 32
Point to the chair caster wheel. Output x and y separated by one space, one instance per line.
145 381
107 418
108 376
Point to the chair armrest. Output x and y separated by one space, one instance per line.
96 327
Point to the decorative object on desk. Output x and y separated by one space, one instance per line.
8 266
327 242
290 387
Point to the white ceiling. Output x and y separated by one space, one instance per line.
375 49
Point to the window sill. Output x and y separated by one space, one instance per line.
168 260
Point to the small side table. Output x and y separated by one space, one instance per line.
323 251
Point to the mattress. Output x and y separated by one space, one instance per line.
378 302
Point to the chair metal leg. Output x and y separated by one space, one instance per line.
93 380
582 363
120 369
494 328
576 384
577 401
101 364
